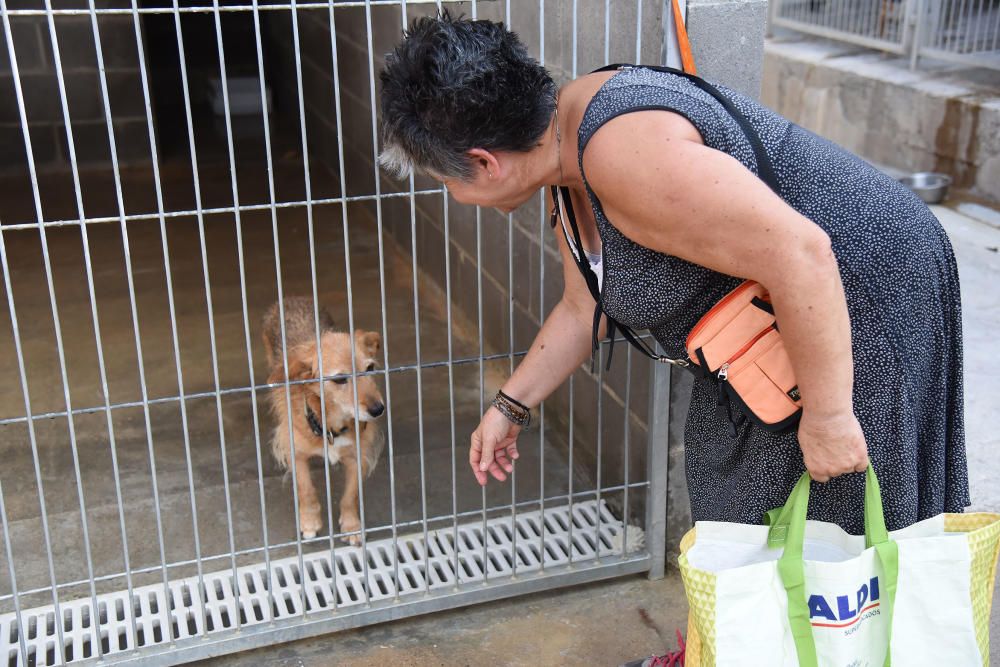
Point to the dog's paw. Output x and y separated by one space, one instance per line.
351 525
310 523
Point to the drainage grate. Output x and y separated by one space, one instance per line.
189 614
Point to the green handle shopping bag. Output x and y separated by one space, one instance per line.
787 530
799 592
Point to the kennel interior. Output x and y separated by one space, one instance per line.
166 170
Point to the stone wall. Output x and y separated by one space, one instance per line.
36 67
942 118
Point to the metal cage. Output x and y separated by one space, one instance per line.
961 31
170 169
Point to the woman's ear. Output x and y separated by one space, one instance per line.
484 164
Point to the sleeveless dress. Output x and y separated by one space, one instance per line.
901 284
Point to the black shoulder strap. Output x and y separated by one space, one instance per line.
765 171
576 249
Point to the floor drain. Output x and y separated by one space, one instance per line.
186 613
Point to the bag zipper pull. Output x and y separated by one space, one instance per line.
724 372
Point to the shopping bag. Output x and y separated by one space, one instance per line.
807 593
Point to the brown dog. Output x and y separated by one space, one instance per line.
304 415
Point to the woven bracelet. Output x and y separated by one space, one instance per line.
516 402
512 410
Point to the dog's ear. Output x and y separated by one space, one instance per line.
369 343
300 365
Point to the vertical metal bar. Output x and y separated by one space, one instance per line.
572 377
154 159
185 88
628 442
479 328
600 442
857 18
510 341
984 8
119 199
944 44
482 385
961 30
388 393
657 467
33 440
607 32
246 321
381 273
296 46
339 117
451 371
638 32
905 27
996 29
920 17
350 312
218 397
972 31
8 550
265 536
307 175
541 314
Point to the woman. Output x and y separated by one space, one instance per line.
662 179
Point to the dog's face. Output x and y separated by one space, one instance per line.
303 364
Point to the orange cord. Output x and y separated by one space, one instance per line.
687 59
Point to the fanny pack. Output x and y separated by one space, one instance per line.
737 343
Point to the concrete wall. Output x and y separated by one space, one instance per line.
941 118
727 41
33 50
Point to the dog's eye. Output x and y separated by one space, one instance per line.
370 366
340 380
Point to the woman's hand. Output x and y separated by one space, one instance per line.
832 445
494 447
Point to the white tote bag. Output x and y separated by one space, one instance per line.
807 593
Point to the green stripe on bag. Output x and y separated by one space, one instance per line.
788 530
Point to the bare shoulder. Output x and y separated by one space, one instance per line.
637 146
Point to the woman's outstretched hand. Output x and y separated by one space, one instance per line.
832 445
494 447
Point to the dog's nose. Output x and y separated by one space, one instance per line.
376 410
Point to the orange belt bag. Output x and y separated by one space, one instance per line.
736 343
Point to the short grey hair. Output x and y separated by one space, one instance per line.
455 84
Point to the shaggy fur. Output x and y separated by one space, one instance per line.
455 84
338 396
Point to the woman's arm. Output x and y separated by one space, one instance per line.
702 205
561 345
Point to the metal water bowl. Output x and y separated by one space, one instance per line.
930 186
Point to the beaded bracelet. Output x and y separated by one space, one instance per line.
512 409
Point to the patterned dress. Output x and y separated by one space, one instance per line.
901 283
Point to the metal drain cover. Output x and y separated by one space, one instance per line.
152 617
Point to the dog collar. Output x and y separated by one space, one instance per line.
317 428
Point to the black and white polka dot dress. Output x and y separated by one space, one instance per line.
901 283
